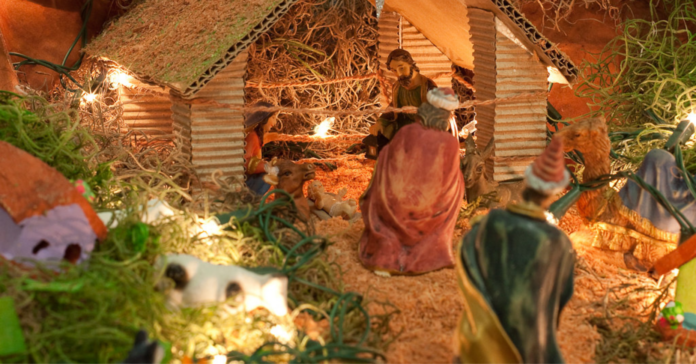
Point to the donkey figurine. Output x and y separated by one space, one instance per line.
477 184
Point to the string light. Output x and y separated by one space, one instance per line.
89 97
220 359
121 78
283 335
322 130
550 218
691 117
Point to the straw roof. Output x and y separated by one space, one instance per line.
175 42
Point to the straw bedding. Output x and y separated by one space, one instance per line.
430 304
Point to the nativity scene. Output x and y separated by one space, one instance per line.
377 181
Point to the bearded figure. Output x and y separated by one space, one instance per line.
411 89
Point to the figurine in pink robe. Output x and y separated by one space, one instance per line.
411 206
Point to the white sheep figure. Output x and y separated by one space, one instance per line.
198 282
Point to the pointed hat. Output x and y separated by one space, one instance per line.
548 174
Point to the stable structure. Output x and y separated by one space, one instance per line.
198 51
508 56
190 52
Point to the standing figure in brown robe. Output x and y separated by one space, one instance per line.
411 206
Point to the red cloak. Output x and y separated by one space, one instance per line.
411 207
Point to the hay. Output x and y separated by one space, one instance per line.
116 291
318 40
425 322
428 305
173 42
559 11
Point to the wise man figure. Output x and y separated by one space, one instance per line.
411 89
411 207
515 270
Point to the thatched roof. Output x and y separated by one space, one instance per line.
175 42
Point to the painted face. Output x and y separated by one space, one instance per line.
272 121
403 71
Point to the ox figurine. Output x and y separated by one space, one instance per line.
474 170
291 177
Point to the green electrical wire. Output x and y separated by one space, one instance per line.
297 256
62 69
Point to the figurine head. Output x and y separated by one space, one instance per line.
583 135
260 121
474 162
315 188
402 64
437 112
547 176
291 176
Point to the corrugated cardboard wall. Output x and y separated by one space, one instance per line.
483 38
146 114
181 122
520 126
428 57
217 134
562 62
389 40
396 32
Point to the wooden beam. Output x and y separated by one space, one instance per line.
678 257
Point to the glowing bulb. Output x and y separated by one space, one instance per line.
89 97
322 130
121 79
284 336
691 117
220 359
208 228
550 218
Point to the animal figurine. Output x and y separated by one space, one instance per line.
145 351
614 226
473 167
291 177
333 204
197 282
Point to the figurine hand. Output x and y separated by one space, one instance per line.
375 128
270 137
342 192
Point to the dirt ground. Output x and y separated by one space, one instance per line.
430 304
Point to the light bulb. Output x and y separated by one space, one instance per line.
89 97
322 130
